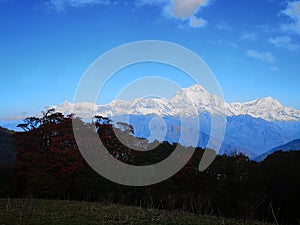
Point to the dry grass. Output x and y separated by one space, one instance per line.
39 212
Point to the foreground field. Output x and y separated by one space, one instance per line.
32 211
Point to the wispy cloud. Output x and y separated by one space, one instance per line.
224 26
150 2
63 5
274 69
263 56
293 11
249 36
185 10
284 42
197 22
224 42
180 9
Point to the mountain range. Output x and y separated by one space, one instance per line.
252 128
187 102
292 145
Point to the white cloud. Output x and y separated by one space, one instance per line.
197 22
292 11
180 9
62 5
263 56
283 42
249 36
150 2
187 8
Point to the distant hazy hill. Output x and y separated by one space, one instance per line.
293 145
7 147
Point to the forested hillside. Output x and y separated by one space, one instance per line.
49 165
7 147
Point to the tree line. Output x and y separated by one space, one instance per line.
49 165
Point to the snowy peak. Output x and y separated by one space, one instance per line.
196 99
159 106
83 109
196 88
259 102
266 102
188 102
267 108
195 95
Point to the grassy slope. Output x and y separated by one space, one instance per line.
31 211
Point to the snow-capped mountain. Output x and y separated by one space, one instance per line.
267 108
196 99
253 128
187 102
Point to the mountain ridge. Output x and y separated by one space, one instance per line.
289 146
188 102
253 128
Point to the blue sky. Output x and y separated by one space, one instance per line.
253 47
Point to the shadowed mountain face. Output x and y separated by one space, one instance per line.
244 134
253 128
7 147
255 135
292 145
